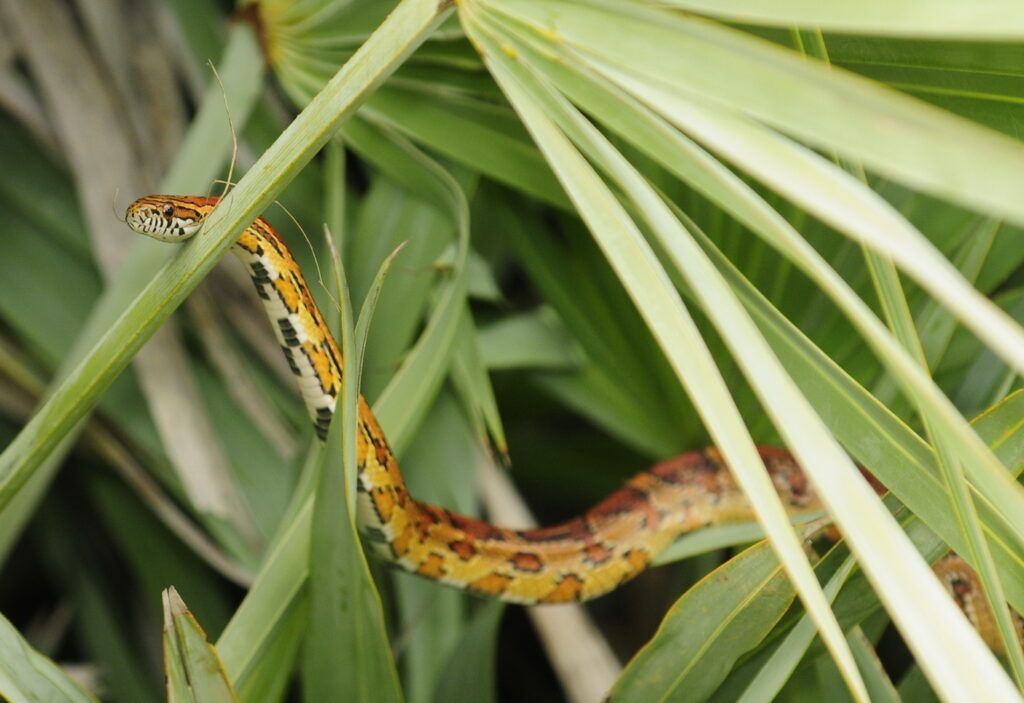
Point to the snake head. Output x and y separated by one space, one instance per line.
164 217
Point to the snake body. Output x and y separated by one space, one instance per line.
576 560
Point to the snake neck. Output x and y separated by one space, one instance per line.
316 361
308 345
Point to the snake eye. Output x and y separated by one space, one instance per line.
168 211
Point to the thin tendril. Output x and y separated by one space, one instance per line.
312 251
113 206
231 128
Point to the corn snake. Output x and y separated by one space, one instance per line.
577 560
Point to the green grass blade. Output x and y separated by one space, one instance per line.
700 638
883 443
269 600
193 170
193 670
430 356
438 468
925 264
892 134
470 675
27 676
902 578
659 140
348 655
897 311
879 684
838 199
404 29
985 19
532 340
725 616
469 375
465 133
411 393
783 662
660 305
889 289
